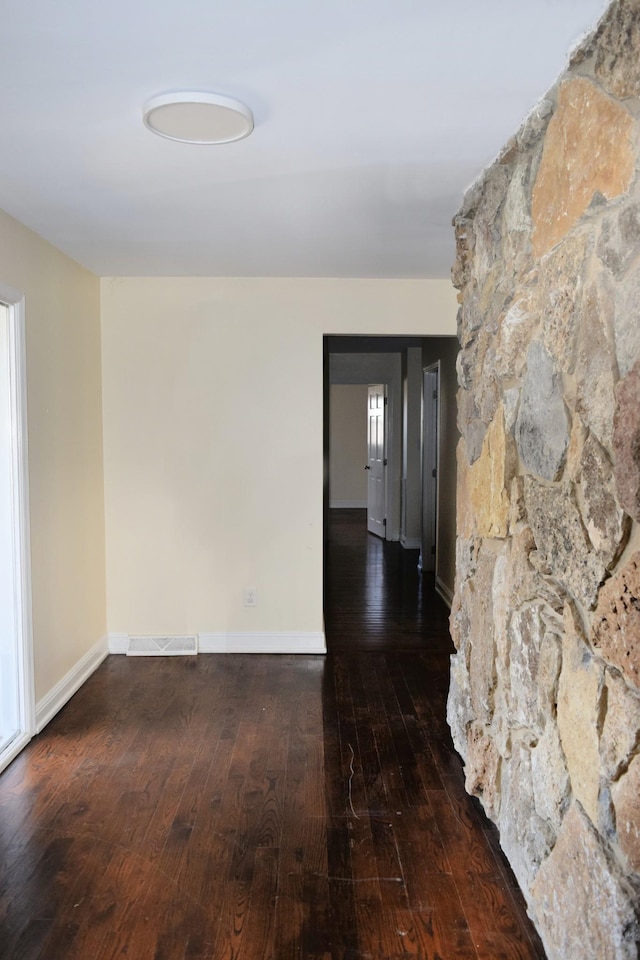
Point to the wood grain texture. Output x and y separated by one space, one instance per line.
232 807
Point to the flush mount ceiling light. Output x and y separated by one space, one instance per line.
196 117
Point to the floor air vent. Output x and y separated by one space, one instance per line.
162 646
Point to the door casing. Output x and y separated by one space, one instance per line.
18 567
377 459
430 439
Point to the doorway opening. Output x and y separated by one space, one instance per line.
17 710
360 428
377 462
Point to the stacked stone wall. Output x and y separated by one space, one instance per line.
544 703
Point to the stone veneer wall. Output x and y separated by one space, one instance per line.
545 695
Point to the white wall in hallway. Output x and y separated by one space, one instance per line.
348 445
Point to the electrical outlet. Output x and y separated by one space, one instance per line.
250 597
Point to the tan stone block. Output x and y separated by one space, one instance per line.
587 150
616 621
517 580
459 711
619 238
578 705
465 242
488 293
564 551
482 654
516 329
575 448
483 487
471 427
617 42
626 441
518 514
626 801
465 520
459 616
626 319
487 197
549 668
543 424
516 217
481 768
549 777
595 367
621 727
501 603
605 522
559 297
583 912
472 630
526 633
525 837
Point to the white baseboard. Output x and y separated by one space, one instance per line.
258 642
411 543
348 504
443 591
273 642
52 702
118 642
14 748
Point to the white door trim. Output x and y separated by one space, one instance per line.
15 300
377 506
366 368
430 466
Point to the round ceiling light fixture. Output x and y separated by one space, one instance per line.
196 117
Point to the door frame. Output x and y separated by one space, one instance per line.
385 450
430 466
20 522
365 368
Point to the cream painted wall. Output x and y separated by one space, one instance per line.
62 315
348 444
213 410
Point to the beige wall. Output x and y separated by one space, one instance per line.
213 400
348 444
62 311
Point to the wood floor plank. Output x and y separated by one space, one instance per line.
263 807
488 904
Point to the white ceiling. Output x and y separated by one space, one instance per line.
372 117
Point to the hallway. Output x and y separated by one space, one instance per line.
374 596
259 807
377 604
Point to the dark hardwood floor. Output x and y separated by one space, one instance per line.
375 598
259 807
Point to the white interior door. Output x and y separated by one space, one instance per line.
8 648
431 389
376 461
16 674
